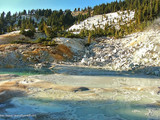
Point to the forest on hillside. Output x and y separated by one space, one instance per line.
55 23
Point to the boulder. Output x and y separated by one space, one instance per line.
76 45
84 60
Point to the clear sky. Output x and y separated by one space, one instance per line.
20 5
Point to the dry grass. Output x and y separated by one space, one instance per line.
5 39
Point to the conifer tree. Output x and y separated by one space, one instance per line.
93 26
89 38
151 10
139 16
157 7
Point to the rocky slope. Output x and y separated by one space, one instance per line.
36 55
136 51
17 55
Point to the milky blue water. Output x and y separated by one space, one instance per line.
25 71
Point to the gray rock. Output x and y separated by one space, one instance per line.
80 89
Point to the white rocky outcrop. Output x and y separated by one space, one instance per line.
138 51
101 20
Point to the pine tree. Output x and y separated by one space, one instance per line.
157 7
75 9
120 34
8 16
93 26
139 16
106 27
2 16
89 13
32 28
151 10
24 12
48 31
89 38
116 34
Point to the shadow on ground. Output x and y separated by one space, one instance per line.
72 70
85 71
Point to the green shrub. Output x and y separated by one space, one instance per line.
28 33
71 35
45 41
40 40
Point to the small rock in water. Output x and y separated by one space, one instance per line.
80 89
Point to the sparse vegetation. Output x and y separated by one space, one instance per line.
45 41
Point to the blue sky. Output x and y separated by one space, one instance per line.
20 5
